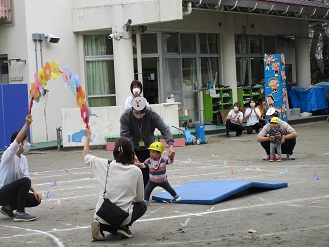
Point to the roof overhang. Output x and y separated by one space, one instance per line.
300 9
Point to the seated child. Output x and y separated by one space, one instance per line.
157 166
276 143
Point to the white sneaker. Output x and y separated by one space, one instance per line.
290 157
96 231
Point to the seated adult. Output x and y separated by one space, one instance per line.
234 120
262 108
288 140
252 114
121 182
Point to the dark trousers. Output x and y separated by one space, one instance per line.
235 127
151 185
255 127
17 196
142 155
139 209
287 147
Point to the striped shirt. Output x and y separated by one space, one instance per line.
158 168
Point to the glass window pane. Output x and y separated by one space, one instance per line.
257 70
255 44
209 71
269 45
190 100
188 42
242 71
173 70
189 74
208 43
241 44
95 45
149 43
170 43
102 101
100 78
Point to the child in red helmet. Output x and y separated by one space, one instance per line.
157 166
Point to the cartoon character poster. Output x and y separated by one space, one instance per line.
275 84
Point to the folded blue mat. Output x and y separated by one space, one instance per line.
213 191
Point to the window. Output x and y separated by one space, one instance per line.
208 43
4 76
149 43
188 43
99 71
209 71
170 43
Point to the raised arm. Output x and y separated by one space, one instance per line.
21 133
86 146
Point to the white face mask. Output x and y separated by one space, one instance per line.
139 116
252 104
136 90
26 147
236 108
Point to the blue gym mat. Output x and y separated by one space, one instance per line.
213 191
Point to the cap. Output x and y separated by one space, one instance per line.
157 146
138 103
270 111
275 120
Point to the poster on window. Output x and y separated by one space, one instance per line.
275 84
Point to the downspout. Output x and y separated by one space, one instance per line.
188 9
139 56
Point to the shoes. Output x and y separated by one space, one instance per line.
279 160
266 158
124 231
7 212
227 135
96 231
24 217
238 134
177 198
290 157
272 159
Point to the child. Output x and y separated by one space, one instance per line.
157 167
276 143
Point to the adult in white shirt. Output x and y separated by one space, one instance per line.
124 186
234 120
252 115
15 182
136 87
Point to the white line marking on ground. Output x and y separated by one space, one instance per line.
57 241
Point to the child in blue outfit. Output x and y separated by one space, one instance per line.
157 168
276 143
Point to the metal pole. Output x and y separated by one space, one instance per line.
58 133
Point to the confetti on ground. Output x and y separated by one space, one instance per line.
224 162
313 203
53 184
210 209
226 176
58 202
250 162
214 155
49 194
316 177
66 170
232 171
248 169
189 160
185 223
252 231
286 171
258 169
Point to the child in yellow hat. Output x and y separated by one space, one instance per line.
157 166
275 143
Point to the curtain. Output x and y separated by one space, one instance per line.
98 83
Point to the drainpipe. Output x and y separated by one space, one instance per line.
139 56
188 9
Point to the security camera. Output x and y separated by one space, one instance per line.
115 35
127 25
52 38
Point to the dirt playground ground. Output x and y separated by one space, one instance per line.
294 216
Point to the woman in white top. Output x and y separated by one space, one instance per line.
234 120
15 183
124 186
252 114
136 87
